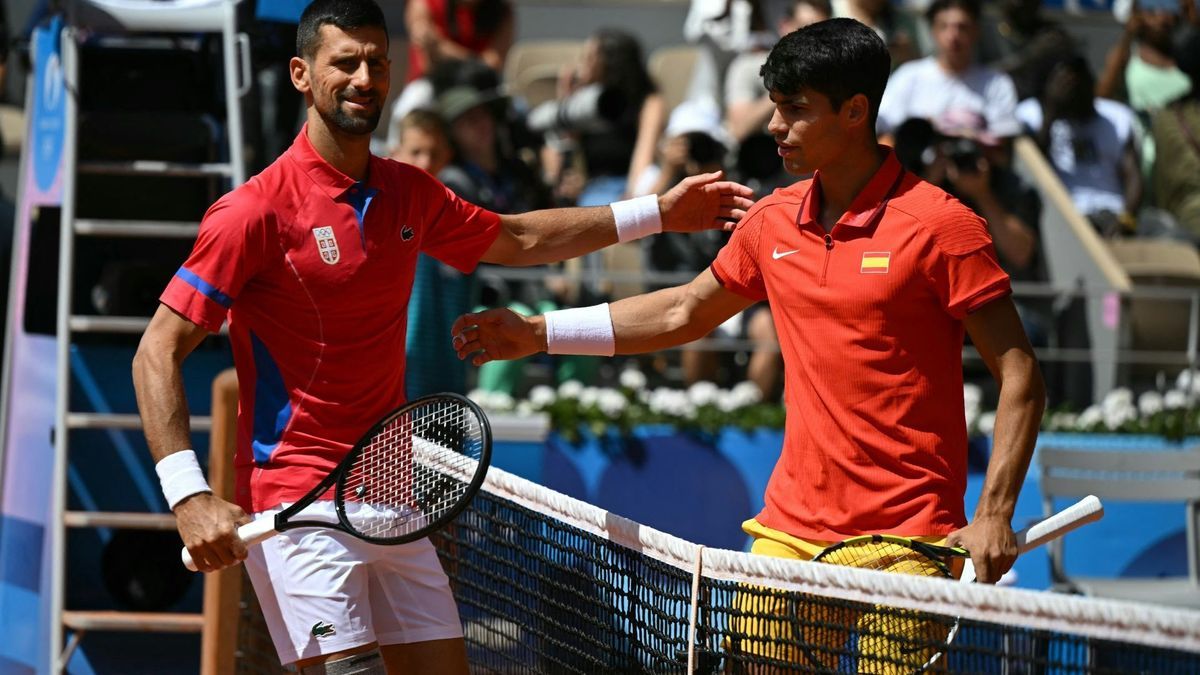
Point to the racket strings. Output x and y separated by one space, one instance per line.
888 639
416 468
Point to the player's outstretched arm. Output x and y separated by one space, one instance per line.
996 331
697 203
207 525
643 323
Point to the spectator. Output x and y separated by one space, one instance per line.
1091 144
958 155
899 30
1177 135
1140 69
457 29
439 291
722 29
1025 45
951 80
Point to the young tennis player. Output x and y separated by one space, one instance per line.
872 276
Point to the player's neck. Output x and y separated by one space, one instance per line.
841 182
347 153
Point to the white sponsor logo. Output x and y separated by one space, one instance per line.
327 245
777 254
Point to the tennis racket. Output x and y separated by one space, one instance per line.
410 475
919 641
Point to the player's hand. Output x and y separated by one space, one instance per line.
208 526
992 544
497 334
704 202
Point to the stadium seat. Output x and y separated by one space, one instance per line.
671 68
1126 476
1157 324
532 67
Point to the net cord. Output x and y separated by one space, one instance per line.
1105 619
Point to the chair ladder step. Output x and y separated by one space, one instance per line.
136 228
124 421
152 167
120 520
133 622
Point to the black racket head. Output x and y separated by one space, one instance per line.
891 638
414 471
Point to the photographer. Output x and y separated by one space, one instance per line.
955 154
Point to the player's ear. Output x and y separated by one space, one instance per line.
300 71
856 110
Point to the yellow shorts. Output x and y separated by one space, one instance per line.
789 628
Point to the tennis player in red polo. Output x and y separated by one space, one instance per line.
312 263
872 276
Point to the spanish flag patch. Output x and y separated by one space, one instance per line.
875 262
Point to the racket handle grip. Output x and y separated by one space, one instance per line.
1087 510
252 533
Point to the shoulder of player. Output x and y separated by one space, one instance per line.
787 197
947 223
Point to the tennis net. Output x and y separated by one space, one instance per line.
548 584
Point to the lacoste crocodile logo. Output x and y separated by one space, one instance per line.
322 629
406 233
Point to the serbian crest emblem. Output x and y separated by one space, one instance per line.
327 245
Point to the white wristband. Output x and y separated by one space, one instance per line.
637 217
180 476
582 330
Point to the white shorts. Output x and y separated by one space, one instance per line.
323 591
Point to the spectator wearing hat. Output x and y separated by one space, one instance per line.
956 153
951 78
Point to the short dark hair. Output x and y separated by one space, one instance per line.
971 7
838 58
345 14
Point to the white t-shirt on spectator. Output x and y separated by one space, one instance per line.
742 81
1087 156
924 90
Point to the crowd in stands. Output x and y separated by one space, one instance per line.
1123 138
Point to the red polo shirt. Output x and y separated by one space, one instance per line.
869 318
314 272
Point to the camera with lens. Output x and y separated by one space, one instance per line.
592 108
963 152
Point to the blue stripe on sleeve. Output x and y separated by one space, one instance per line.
210 291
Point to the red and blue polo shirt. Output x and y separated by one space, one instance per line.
869 318
314 271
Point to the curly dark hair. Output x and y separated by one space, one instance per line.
345 14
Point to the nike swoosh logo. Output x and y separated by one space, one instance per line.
777 254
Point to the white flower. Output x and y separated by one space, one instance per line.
1118 414
1175 399
1090 417
659 400
1150 403
612 403
526 409
480 396
1188 382
570 389
727 401
589 396
746 393
542 396
1117 399
702 393
632 378
1063 421
987 423
972 395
